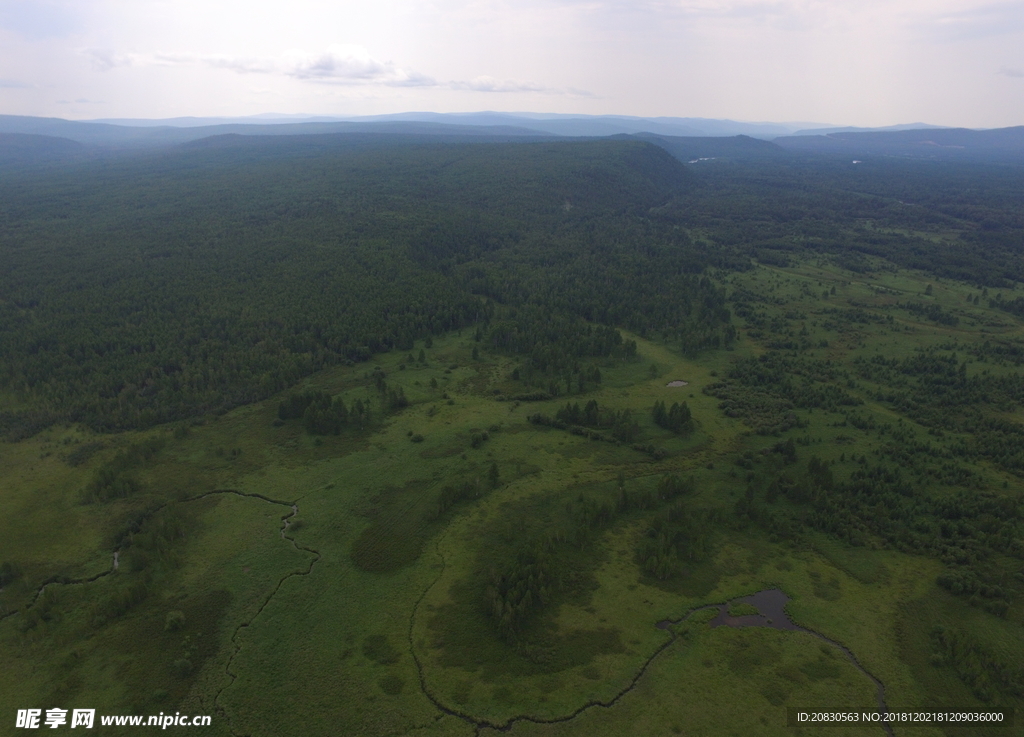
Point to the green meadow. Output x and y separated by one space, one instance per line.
364 610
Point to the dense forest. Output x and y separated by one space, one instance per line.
178 284
173 284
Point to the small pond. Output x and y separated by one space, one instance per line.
771 607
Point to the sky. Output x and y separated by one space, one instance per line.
842 62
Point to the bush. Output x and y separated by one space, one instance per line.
9 572
378 649
174 621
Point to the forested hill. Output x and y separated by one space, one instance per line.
688 148
147 289
23 149
593 175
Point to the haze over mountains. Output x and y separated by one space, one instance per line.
25 140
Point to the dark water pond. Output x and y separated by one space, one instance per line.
771 604
771 607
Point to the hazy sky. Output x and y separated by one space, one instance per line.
850 62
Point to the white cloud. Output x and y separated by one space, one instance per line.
490 84
957 23
344 63
939 19
238 64
105 59
13 84
339 64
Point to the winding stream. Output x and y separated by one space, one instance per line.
286 521
771 605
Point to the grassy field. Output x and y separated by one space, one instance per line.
287 583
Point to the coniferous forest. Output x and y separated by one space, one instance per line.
391 434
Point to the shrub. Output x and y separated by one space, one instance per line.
174 621
378 649
9 572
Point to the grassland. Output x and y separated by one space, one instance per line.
317 585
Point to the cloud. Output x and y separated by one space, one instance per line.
350 64
1008 72
802 13
490 84
941 20
978 22
104 60
13 84
237 64
339 64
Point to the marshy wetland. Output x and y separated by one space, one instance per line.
508 514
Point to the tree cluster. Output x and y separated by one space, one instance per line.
676 418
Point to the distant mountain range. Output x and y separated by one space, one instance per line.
997 144
544 123
25 140
146 136
855 129
608 125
